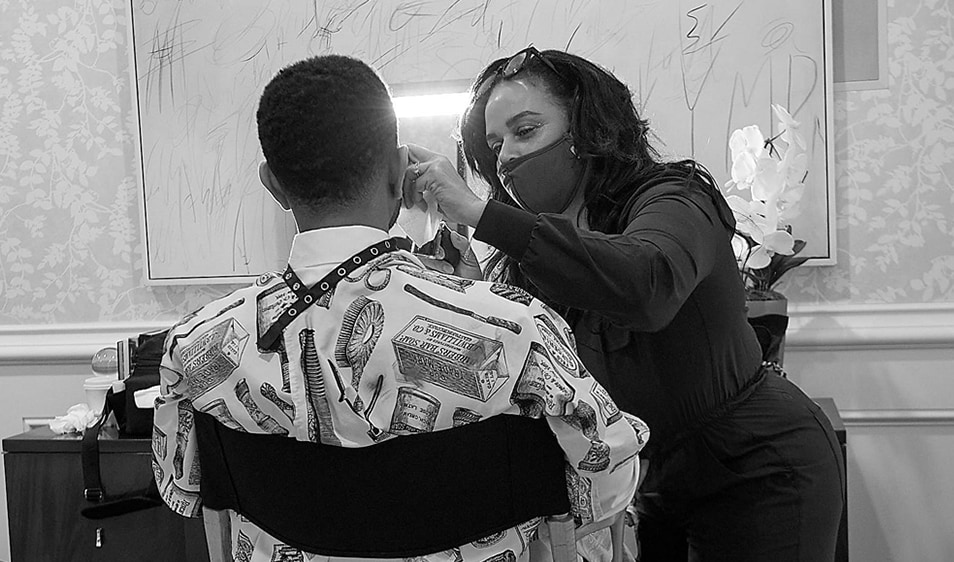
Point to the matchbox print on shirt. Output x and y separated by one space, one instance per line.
394 349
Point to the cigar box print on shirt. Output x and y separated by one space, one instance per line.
213 356
391 351
463 362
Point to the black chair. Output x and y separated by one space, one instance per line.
404 497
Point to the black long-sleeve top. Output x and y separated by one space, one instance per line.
663 324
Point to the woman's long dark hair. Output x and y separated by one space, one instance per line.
607 131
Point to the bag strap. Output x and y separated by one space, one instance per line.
102 506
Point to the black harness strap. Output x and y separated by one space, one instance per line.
407 496
100 505
307 296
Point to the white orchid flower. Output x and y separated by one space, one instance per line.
789 127
788 207
767 183
747 220
774 175
779 242
747 146
793 166
759 257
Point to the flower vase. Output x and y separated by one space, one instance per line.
768 316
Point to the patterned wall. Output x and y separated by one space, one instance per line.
70 248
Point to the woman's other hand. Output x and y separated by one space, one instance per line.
430 171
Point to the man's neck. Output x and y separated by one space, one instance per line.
311 221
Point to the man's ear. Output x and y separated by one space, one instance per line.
273 186
397 170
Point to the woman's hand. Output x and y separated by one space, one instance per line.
430 171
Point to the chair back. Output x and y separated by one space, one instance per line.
403 497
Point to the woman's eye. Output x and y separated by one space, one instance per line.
525 130
495 148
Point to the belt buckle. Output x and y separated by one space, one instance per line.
93 494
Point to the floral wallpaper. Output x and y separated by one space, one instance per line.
70 246
894 166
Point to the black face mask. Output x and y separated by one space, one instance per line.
546 180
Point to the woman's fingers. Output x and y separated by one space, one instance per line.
413 188
418 153
433 172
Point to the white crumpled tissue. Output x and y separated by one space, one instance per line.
422 221
78 417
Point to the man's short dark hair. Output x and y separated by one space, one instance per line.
327 126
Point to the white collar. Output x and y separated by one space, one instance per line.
333 245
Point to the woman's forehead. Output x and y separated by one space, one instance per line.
511 97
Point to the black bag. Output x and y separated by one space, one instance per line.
144 373
132 421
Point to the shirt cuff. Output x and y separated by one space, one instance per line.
506 228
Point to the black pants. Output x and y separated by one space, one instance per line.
763 482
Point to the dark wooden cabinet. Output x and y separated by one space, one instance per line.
44 480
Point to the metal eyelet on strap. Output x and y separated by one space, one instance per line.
356 259
292 312
342 271
308 299
374 251
324 286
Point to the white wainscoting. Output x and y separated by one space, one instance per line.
889 368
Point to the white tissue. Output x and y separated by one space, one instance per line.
146 398
78 417
422 221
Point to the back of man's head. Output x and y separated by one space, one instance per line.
327 128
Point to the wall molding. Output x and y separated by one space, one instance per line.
881 326
811 328
897 418
56 344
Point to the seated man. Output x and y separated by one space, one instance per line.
351 345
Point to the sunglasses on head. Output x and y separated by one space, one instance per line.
512 67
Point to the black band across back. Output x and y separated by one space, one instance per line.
307 296
407 496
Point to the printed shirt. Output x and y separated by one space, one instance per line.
388 319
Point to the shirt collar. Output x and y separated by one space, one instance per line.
333 245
